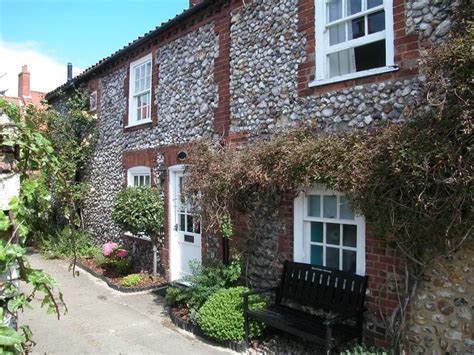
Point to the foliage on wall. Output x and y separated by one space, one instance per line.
412 182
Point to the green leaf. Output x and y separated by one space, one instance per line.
9 337
4 221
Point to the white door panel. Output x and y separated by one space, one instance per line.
185 234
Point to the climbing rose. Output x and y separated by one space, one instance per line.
122 253
108 248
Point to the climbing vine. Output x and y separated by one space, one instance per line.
412 182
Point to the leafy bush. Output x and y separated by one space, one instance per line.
60 245
364 350
206 280
173 295
131 280
139 210
123 266
221 317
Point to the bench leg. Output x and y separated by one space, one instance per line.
246 329
360 327
328 347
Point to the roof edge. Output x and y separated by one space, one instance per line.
136 43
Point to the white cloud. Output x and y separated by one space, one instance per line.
46 72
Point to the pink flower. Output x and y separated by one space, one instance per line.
122 253
108 248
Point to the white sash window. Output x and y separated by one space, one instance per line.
140 91
328 232
354 38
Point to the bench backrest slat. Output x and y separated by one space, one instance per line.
322 287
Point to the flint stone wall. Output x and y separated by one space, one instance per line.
443 310
185 97
266 49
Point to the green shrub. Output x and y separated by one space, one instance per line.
206 280
222 318
131 280
139 210
364 350
60 245
123 266
173 295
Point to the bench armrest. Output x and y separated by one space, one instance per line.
339 318
256 292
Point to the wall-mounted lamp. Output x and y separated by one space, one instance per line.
161 173
182 156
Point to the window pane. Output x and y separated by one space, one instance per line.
316 255
314 206
317 232
337 34
147 83
345 211
137 73
147 180
373 3
333 233
190 223
357 28
135 181
376 22
137 86
329 206
142 71
182 222
353 7
334 10
332 257
148 68
349 261
342 62
350 235
370 56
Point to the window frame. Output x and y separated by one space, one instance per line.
322 44
132 105
137 171
302 237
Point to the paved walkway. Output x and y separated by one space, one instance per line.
101 320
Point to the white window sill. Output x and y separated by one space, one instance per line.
141 237
142 122
351 76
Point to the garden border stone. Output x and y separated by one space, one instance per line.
160 289
238 346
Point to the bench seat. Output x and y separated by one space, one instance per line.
302 324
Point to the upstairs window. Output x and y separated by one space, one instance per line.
139 176
140 91
354 38
93 101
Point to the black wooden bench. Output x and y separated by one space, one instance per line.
340 293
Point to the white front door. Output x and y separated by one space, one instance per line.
185 229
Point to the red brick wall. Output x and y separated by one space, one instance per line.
406 51
146 157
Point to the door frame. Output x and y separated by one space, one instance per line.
174 254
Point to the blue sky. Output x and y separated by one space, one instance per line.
77 31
